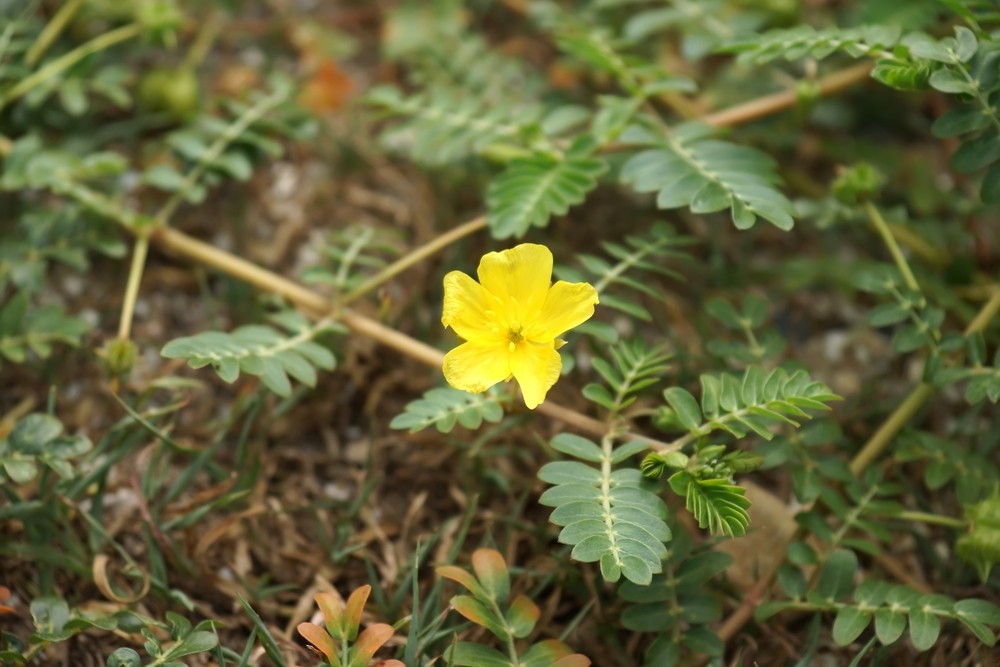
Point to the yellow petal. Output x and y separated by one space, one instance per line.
536 368
476 367
567 305
468 309
519 278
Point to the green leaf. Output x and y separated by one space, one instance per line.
636 259
199 641
887 314
889 625
990 190
444 124
805 41
467 654
703 640
267 641
622 528
977 610
258 350
976 154
836 579
25 329
685 406
741 406
533 190
716 504
950 81
124 657
849 624
925 628
686 168
956 122
444 407
576 446
20 471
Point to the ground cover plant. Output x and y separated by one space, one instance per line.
611 332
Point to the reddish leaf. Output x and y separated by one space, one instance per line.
547 652
368 642
332 608
328 89
4 596
462 577
480 614
491 570
355 605
319 638
575 660
522 616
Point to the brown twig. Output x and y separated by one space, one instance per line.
786 99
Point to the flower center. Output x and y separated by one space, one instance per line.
514 335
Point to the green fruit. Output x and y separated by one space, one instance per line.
173 92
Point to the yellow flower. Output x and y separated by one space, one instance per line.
511 320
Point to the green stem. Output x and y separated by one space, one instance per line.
916 399
203 41
890 241
508 636
67 60
132 286
52 30
896 421
416 256
928 517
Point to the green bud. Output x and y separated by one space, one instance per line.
653 465
173 92
857 183
980 547
742 461
807 93
118 356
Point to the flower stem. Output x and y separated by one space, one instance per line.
139 253
890 242
928 517
414 257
